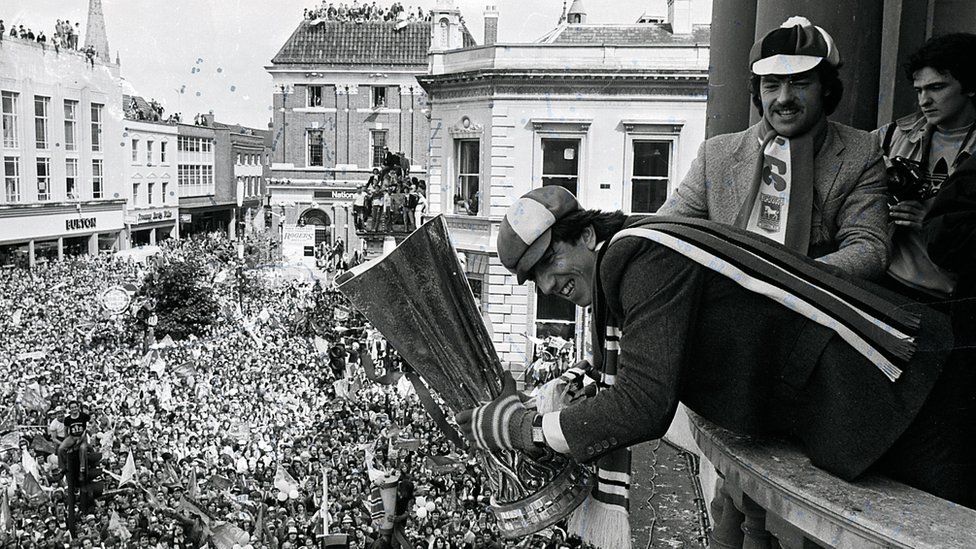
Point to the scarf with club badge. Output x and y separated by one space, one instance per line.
779 204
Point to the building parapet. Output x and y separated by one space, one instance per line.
770 490
606 57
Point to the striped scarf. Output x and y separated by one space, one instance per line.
878 329
603 519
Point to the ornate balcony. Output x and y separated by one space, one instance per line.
771 496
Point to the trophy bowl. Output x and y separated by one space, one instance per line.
418 297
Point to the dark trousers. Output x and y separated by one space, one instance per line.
937 453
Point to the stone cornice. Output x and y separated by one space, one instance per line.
575 84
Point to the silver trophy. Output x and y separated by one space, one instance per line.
418 297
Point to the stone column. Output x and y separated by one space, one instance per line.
31 260
93 244
902 33
733 33
60 248
856 30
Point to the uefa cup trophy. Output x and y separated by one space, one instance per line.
417 296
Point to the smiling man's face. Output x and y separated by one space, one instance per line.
567 269
792 104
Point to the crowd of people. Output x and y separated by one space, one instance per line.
391 197
360 13
227 434
65 36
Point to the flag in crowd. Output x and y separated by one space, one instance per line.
128 470
10 441
6 518
32 398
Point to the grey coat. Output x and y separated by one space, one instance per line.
849 226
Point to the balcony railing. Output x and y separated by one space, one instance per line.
771 496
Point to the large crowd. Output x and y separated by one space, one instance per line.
359 13
227 435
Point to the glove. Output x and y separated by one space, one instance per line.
502 424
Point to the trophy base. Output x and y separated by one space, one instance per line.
549 505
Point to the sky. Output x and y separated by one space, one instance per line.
200 55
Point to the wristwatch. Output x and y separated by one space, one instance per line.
538 436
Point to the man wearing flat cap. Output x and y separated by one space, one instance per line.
746 333
816 186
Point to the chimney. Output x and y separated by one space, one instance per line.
95 34
679 16
491 24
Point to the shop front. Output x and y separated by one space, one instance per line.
207 220
32 235
148 227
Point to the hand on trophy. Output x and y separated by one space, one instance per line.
502 424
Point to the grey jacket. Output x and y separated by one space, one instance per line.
849 226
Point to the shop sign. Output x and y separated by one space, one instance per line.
78 224
336 195
186 218
116 299
145 217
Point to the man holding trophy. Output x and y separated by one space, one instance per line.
743 331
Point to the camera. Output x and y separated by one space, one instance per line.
907 180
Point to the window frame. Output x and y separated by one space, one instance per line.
97 110
374 95
310 95
376 151
42 130
70 125
10 119
43 179
460 177
71 191
14 178
309 153
98 175
631 165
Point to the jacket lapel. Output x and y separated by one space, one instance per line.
742 167
827 164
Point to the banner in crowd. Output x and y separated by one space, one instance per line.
228 536
444 464
116 527
10 441
407 443
284 482
42 445
32 399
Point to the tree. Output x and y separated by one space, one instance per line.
184 295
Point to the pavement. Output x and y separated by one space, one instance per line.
667 509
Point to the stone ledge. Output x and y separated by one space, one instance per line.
805 504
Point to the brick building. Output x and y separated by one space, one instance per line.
342 92
220 173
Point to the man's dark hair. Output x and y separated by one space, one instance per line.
570 228
952 53
833 88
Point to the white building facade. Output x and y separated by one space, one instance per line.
614 113
62 164
151 192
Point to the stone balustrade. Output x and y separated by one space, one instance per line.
770 496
